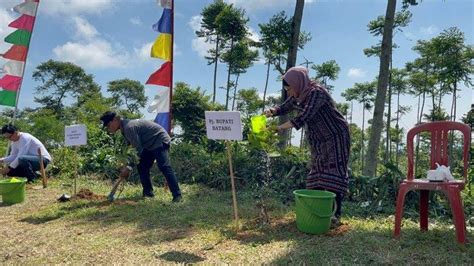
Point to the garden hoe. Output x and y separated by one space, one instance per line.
111 196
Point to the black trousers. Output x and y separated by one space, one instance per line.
27 166
161 155
339 199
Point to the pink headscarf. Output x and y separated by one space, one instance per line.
298 79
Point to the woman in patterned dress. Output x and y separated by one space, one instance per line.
326 129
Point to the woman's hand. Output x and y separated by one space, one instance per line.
270 112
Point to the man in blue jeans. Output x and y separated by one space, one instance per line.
23 160
152 142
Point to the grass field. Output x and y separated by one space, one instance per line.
200 230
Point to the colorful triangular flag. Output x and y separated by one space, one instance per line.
162 76
25 22
14 68
28 8
162 47
16 52
161 103
19 37
11 83
164 24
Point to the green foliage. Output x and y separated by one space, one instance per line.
194 163
327 71
276 41
188 110
59 81
128 93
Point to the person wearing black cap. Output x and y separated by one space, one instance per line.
152 142
24 159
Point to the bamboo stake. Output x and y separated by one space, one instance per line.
43 173
234 196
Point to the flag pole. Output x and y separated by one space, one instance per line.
172 64
24 67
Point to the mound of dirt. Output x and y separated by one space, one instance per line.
340 230
88 195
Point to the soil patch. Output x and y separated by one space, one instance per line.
340 230
88 195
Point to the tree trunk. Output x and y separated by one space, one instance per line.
385 57
418 136
362 138
266 84
352 109
291 62
388 150
215 70
228 77
235 91
434 106
397 127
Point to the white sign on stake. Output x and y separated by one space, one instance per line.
75 135
223 125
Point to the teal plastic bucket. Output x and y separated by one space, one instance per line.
314 209
12 190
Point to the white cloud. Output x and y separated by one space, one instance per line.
5 19
430 30
135 21
356 73
143 53
97 54
74 7
263 4
8 4
84 30
90 50
199 45
195 22
254 36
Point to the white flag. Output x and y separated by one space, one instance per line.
14 68
164 3
28 8
161 102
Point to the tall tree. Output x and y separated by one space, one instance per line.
60 80
399 87
364 94
128 93
209 31
291 62
377 121
327 71
242 57
375 27
455 62
231 25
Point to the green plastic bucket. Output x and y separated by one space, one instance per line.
314 209
12 190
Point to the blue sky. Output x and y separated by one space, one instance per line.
111 39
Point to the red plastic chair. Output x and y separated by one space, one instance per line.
452 189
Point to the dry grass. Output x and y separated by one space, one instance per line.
200 229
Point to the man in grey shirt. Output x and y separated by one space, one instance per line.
152 143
